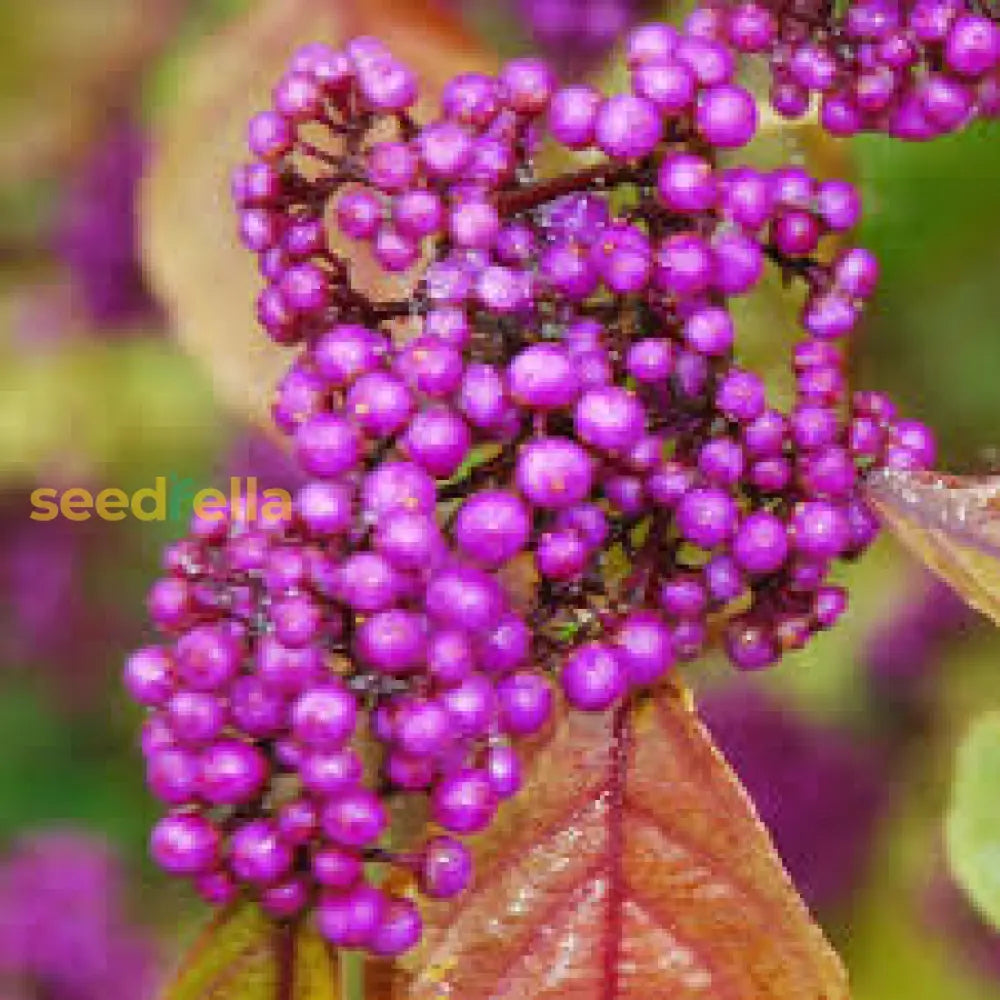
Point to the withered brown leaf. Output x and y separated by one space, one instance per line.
208 282
952 524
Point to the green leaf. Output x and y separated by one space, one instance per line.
477 456
244 955
568 631
973 829
944 280
162 418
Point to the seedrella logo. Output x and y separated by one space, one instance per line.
170 498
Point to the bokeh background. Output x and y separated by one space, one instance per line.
847 748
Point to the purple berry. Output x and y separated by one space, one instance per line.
421 728
350 920
353 818
525 703
185 844
610 419
761 543
232 773
726 116
257 854
445 868
149 676
324 717
542 376
554 472
398 929
573 115
464 802
706 517
646 648
492 527
628 127
686 183
819 530
594 677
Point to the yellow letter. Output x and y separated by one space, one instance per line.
44 507
250 498
277 506
76 504
111 504
158 493
210 505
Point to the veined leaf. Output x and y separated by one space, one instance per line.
207 280
952 524
973 829
630 866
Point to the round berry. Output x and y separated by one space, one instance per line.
594 677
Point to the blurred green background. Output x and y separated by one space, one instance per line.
848 747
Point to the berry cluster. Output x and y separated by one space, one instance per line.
555 399
914 69
255 707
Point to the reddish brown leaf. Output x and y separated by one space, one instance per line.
207 280
631 866
952 524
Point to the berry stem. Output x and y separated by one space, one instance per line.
285 946
380 312
352 974
533 196
808 269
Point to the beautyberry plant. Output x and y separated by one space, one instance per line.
915 69
557 394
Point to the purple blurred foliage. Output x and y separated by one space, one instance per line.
255 453
64 932
819 790
40 566
49 617
903 651
42 316
576 34
96 234
949 913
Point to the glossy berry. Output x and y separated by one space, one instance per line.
594 677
